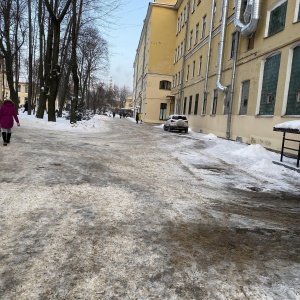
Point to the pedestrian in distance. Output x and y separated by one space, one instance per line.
114 114
140 118
7 115
137 118
25 106
0 108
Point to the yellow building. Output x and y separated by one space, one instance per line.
236 66
153 64
22 92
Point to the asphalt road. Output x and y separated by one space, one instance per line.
115 215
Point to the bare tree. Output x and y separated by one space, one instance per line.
12 36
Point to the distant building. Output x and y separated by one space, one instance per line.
234 68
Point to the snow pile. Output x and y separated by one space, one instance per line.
253 151
62 124
210 136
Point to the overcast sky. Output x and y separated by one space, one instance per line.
123 40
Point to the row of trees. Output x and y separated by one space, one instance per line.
60 44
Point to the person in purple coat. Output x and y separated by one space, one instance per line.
7 115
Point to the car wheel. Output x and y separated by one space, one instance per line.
186 130
165 128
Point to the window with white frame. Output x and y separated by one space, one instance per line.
214 15
190 105
193 69
269 84
185 14
200 65
214 102
297 11
193 5
187 72
244 97
197 33
293 99
191 39
203 26
26 89
233 44
276 17
196 104
181 47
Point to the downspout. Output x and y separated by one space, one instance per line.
220 87
183 59
228 130
252 16
209 49
143 74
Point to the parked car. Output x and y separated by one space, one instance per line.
177 122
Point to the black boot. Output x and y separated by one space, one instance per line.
8 135
4 138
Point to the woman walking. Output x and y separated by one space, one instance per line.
7 115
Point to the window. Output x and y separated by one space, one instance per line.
277 19
233 44
184 105
204 103
185 14
215 102
293 100
197 33
190 105
196 104
203 26
193 5
181 49
182 19
163 111
200 65
214 14
227 101
250 42
164 85
19 88
269 85
298 13
244 97
193 69
26 89
187 72
191 39
175 55
199 1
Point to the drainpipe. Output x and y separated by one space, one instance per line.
183 59
252 16
228 130
209 48
221 47
143 74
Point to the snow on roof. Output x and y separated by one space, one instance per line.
288 126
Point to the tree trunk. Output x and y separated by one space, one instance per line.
30 60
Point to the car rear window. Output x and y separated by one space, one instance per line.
181 117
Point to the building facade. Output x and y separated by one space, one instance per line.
236 67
